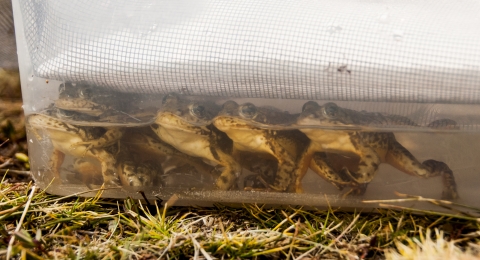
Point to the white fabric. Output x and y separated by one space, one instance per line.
377 50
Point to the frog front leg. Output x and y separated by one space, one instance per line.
110 137
230 172
286 165
368 163
400 158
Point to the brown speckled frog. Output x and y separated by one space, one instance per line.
132 172
371 148
253 130
145 142
86 105
89 142
186 125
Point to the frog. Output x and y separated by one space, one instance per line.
68 139
83 104
145 142
132 172
370 148
259 130
186 125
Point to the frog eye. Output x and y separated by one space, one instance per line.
330 110
85 93
310 105
248 110
197 110
169 98
229 105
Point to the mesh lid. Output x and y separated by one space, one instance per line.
401 51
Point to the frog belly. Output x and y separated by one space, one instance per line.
189 143
64 142
249 140
330 141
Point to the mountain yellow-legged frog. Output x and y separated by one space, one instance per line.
250 128
76 141
186 125
371 148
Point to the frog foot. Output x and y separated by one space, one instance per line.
348 179
110 179
356 190
257 182
449 186
446 124
88 147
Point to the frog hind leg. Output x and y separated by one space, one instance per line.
56 161
107 162
400 158
160 147
320 164
449 185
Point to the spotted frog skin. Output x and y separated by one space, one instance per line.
144 141
371 148
82 104
132 172
250 128
77 142
186 125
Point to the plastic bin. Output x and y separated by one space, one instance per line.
279 102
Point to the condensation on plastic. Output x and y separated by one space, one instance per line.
397 51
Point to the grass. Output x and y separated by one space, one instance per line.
97 228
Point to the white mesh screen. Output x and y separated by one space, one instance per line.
406 51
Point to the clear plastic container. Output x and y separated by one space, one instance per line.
302 103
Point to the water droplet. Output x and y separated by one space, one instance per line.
398 35
33 108
31 141
384 18
334 28
30 78
154 27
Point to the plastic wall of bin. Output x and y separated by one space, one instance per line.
208 101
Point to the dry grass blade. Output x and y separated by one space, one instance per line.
20 222
96 228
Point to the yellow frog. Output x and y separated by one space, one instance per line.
75 141
186 125
371 148
251 129
86 105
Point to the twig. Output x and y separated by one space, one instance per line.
17 172
428 212
20 222
6 163
197 245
